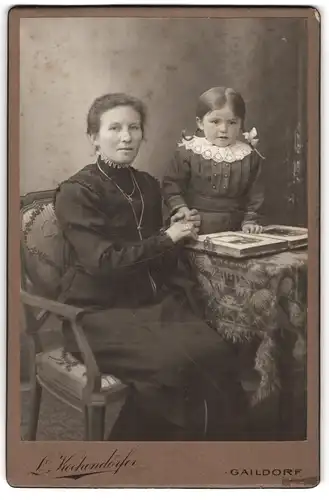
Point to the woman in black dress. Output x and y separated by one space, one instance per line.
139 325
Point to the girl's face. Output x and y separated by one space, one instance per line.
220 126
120 134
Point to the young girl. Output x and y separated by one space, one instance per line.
213 176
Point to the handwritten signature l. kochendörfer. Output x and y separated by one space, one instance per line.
76 466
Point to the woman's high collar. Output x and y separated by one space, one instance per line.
105 161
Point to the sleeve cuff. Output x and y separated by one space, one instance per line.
164 240
251 218
175 202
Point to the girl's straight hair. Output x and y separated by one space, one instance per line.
217 98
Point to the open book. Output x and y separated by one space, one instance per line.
273 239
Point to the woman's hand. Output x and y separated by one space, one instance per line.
252 228
181 230
187 215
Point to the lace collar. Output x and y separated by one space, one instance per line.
101 156
201 146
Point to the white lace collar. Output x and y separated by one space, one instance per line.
201 146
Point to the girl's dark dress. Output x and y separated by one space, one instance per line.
223 184
141 327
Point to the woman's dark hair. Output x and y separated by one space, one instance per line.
110 101
217 98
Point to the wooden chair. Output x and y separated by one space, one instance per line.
44 257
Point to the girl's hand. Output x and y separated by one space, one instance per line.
181 230
181 214
252 228
195 218
187 215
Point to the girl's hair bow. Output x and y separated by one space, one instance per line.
253 140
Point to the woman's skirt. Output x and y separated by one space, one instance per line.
168 356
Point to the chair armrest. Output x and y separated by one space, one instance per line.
74 315
57 308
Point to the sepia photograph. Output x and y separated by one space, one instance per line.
163 166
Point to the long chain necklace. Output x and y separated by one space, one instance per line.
128 197
130 201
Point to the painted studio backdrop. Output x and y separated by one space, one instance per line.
66 63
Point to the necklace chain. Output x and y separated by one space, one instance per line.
128 197
130 201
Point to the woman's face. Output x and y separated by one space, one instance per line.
120 134
220 126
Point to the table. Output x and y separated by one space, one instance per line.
263 299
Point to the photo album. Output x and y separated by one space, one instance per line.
272 239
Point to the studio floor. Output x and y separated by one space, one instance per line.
59 422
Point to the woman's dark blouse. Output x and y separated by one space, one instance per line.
110 266
212 184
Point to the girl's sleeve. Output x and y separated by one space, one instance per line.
175 181
98 250
254 196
